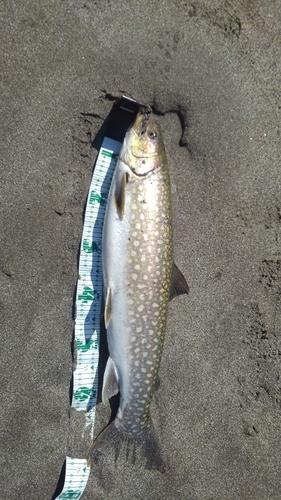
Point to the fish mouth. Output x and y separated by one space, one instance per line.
145 174
142 120
141 143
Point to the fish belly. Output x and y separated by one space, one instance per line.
137 266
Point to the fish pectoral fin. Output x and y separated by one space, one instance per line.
110 381
120 193
178 283
107 307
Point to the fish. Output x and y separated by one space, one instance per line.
139 278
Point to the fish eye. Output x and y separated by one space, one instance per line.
152 135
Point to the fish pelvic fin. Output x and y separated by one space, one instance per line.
140 448
179 285
110 381
107 307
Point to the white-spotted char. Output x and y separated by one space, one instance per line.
139 278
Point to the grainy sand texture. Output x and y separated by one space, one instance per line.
211 72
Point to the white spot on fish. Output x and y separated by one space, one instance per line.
141 308
134 276
137 267
136 243
154 304
139 329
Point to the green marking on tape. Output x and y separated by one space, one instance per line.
109 154
83 393
85 347
90 248
96 197
70 494
88 294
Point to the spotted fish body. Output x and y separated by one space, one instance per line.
137 267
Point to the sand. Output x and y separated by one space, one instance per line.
211 71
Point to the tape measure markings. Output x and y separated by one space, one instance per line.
76 477
89 286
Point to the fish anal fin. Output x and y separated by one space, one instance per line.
110 381
107 307
178 283
120 193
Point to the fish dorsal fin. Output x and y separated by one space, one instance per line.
120 193
178 283
107 308
110 381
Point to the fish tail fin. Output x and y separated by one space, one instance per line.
143 446
151 449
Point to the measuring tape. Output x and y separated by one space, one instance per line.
89 288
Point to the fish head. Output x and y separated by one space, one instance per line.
145 151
